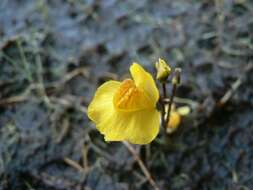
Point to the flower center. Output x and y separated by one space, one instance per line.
130 98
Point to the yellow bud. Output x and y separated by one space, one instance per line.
184 110
174 122
163 70
177 78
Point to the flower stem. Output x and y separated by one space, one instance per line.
164 90
142 165
163 105
174 89
175 82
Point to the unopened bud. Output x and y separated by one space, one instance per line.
174 121
184 110
177 78
163 70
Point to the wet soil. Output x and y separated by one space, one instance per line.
54 54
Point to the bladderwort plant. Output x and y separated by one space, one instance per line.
127 110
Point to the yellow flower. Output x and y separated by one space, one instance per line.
127 110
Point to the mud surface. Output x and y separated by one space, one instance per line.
53 55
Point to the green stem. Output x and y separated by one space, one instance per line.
175 82
163 105
174 89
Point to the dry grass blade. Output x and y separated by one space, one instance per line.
13 100
74 164
142 165
69 102
74 73
85 157
229 93
65 130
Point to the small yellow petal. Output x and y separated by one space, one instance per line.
145 81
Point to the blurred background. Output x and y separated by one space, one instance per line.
54 54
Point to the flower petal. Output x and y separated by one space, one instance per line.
129 98
139 127
145 81
102 100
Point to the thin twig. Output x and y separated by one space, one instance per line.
142 165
